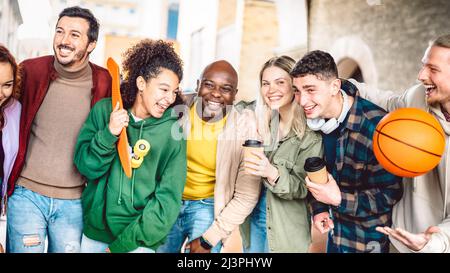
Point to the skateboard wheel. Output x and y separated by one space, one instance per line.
141 148
136 161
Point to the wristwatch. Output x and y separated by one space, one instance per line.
204 243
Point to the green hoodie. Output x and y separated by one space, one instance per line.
128 213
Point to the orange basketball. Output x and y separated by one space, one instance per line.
408 142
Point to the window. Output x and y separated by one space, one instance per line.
196 58
172 22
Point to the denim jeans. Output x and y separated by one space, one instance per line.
92 246
258 231
32 218
195 217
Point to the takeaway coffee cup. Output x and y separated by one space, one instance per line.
251 145
316 170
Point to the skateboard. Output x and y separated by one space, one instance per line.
122 144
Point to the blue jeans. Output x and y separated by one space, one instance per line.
195 217
32 217
258 231
92 246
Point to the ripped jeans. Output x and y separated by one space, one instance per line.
32 218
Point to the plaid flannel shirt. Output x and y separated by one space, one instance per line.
368 191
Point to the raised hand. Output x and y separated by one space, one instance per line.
413 241
118 120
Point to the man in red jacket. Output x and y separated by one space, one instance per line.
57 94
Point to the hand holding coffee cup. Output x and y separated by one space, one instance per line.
256 162
320 183
251 146
316 170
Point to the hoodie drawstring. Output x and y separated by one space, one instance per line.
133 175
119 201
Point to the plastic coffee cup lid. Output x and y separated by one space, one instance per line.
314 164
252 143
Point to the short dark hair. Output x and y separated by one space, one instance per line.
146 59
86 14
318 63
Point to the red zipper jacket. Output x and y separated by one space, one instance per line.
37 74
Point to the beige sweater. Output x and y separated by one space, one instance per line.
235 193
49 168
426 198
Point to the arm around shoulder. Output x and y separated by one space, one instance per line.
390 100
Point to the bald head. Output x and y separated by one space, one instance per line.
217 88
223 67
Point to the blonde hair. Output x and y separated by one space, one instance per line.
297 120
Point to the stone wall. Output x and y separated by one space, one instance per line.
386 37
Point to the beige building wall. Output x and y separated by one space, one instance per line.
227 13
259 38
116 46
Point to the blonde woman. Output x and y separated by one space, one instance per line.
280 221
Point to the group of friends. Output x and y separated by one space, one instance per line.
63 182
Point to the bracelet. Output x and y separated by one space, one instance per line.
204 243
274 181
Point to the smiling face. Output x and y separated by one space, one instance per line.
71 43
217 89
317 96
435 75
276 88
6 81
156 94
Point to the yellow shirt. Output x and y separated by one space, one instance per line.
201 157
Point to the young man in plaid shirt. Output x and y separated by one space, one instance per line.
359 194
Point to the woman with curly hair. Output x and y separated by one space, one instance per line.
9 118
134 214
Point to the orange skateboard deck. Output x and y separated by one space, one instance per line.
122 144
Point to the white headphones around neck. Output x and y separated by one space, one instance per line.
319 124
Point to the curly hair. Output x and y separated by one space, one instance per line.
318 63
7 57
146 59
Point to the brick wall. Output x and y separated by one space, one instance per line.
259 38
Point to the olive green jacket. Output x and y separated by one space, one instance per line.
288 216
